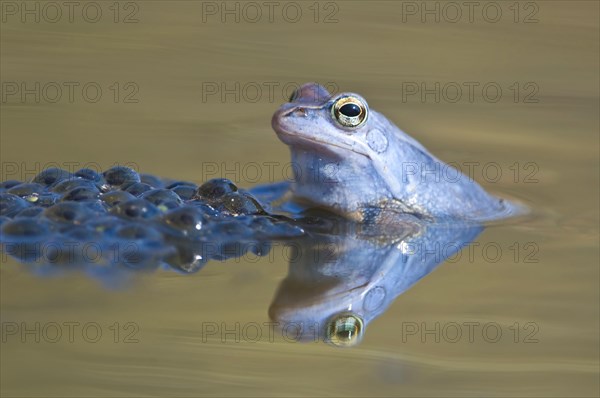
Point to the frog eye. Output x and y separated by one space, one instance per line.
345 330
350 111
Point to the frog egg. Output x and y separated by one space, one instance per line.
137 231
33 211
260 249
140 246
58 252
186 259
120 175
6 185
68 212
26 189
107 225
164 199
229 230
45 199
180 183
138 188
215 189
51 176
11 204
76 246
95 205
83 233
113 198
185 192
30 192
91 175
237 203
136 209
94 238
186 221
151 180
204 207
25 228
67 185
24 238
81 194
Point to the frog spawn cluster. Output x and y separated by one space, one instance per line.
121 219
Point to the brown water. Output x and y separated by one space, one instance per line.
171 56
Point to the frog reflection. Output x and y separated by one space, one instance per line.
338 283
341 274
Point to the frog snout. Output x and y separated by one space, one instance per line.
282 116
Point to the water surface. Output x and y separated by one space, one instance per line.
545 144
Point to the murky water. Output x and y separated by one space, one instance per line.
511 98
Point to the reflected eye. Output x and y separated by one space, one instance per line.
345 330
350 111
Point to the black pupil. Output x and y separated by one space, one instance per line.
350 110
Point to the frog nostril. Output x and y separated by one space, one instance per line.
296 111
300 112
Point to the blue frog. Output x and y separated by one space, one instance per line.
351 159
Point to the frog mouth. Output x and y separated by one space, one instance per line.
316 142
